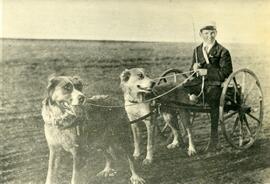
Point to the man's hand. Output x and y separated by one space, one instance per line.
196 66
201 71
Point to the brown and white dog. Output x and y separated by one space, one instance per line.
63 115
69 125
136 85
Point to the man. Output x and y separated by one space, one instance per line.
213 61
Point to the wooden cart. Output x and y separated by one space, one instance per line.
240 109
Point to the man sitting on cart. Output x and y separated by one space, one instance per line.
212 62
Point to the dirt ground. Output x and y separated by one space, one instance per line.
25 67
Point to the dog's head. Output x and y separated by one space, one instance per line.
65 91
136 81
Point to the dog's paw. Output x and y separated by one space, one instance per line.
147 161
191 151
136 156
173 145
107 172
135 179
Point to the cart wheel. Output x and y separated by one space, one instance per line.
241 109
172 75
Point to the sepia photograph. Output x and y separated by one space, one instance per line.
139 92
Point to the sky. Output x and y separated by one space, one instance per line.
243 21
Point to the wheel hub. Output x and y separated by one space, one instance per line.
245 109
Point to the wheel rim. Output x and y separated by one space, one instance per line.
241 125
172 75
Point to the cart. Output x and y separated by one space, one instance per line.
240 109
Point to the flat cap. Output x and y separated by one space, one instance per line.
211 25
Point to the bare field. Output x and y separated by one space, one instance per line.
26 65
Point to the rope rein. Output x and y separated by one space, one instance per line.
168 76
202 89
151 99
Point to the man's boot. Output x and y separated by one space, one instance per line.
213 142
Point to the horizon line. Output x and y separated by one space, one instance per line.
109 40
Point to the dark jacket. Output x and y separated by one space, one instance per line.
220 64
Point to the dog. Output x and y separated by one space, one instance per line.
69 125
137 87
135 84
113 132
63 116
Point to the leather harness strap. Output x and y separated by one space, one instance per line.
143 117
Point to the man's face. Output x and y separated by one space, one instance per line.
208 36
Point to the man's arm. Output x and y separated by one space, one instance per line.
224 70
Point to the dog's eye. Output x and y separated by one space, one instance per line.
68 87
141 76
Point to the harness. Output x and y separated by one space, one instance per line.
143 117
155 109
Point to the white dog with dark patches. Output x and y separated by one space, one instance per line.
136 85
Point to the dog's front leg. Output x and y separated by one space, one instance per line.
76 166
135 178
185 116
108 171
150 137
53 165
136 138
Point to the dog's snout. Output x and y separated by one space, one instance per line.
81 99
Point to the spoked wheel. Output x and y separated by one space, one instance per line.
241 109
169 76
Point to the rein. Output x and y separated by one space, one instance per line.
149 100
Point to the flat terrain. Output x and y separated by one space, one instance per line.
26 65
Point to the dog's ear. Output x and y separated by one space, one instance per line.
52 82
142 70
77 82
125 75
51 77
